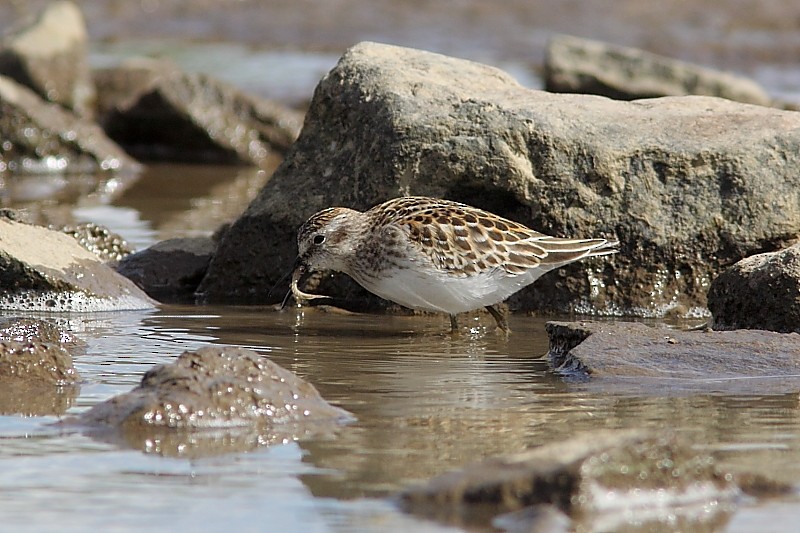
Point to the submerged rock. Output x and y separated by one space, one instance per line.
620 479
759 292
575 65
40 137
170 270
158 112
633 356
213 396
37 376
50 57
689 185
46 270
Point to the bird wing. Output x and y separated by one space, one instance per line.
462 240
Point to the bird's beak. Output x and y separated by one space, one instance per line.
300 269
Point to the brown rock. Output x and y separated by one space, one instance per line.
46 270
633 356
170 270
616 475
218 394
575 65
158 112
50 57
39 137
682 182
759 292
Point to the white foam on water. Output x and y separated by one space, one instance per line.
70 302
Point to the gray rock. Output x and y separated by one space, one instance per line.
688 184
46 270
158 112
40 137
50 57
645 359
613 478
170 270
217 398
575 65
759 292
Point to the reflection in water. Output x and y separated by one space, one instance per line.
425 403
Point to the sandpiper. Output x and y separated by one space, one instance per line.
433 254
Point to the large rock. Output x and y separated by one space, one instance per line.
575 65
759 292
214 389
688 184
625 480
652 360
158 112
41 137
50 56
46 270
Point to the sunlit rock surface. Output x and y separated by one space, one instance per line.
213 400
658 360
689 185
109 246
158 112
759 292
46 270
49 56
604 481
575 65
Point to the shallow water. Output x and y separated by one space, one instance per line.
425 403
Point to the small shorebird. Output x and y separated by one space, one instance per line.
432 254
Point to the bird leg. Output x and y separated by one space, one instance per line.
502 323
453 324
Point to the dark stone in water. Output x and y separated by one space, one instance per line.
213 400
649 359
170 270
617 478
759 292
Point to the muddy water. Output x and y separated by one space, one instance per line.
425 403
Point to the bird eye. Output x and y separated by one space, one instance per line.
319 239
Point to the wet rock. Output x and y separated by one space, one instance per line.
759 292
614 478
170 270
50 57
36 377
32 330
109 246
636 357
158 112
715 181
40 137
575 65
215 395
46 270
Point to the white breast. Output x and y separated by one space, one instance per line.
432 290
